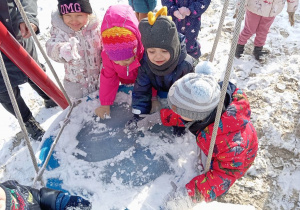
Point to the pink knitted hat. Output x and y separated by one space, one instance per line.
119 43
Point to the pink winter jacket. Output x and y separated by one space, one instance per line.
112 74
269 8
82 75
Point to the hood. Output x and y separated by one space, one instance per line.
123 16
57 21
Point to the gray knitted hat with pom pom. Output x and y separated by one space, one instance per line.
195 95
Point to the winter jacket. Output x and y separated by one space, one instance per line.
111 73
269 8
235 147
27 198
190 25
146 79
81 76
11 19
142 6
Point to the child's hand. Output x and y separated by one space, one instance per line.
103 111
184 11
156 106
178 15
69 51
292 18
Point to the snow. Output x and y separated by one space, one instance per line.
273 91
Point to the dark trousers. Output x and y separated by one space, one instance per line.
24 110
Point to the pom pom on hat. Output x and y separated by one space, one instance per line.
204 68
194 96
119 43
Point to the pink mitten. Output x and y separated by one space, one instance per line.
184 11
178 15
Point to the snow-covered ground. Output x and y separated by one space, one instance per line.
273 182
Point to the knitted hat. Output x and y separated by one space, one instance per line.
119 43
160 32
195 95
71 6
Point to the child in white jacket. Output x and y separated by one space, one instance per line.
76 42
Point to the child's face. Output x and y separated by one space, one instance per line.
158 56
75 20
125 62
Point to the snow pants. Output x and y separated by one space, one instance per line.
24 110
255 24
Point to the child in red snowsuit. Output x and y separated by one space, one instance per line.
193 100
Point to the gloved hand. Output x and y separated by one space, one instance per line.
184 11
103 111
132 124
69 51
65 201
156 106
178 15
178 131
292 18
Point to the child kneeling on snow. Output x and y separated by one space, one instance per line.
193 100
16 196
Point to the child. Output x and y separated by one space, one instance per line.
260 15
76 42
164 62
16 196
142 7
193 100
121 55
187 16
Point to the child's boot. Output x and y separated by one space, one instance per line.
34 129
239 50
258 53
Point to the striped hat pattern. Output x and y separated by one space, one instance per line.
119 43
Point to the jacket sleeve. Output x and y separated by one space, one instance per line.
30 8
109 82
197 8
171 5
170 118
142 93
54 44
292 5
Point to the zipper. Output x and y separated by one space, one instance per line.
127 70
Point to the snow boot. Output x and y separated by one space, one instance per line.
49 103
239 50
34 129
258 53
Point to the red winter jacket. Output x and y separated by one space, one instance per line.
235 148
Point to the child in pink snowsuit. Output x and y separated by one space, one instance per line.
260 15
121 55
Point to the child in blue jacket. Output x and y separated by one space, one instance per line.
187 16
165 60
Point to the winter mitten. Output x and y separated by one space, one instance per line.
156 106
185 11
69 51
65 201
178 15
178 131
103 111
292 18
132 124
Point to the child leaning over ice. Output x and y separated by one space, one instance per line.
121 55
193 100
165 61
76 42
